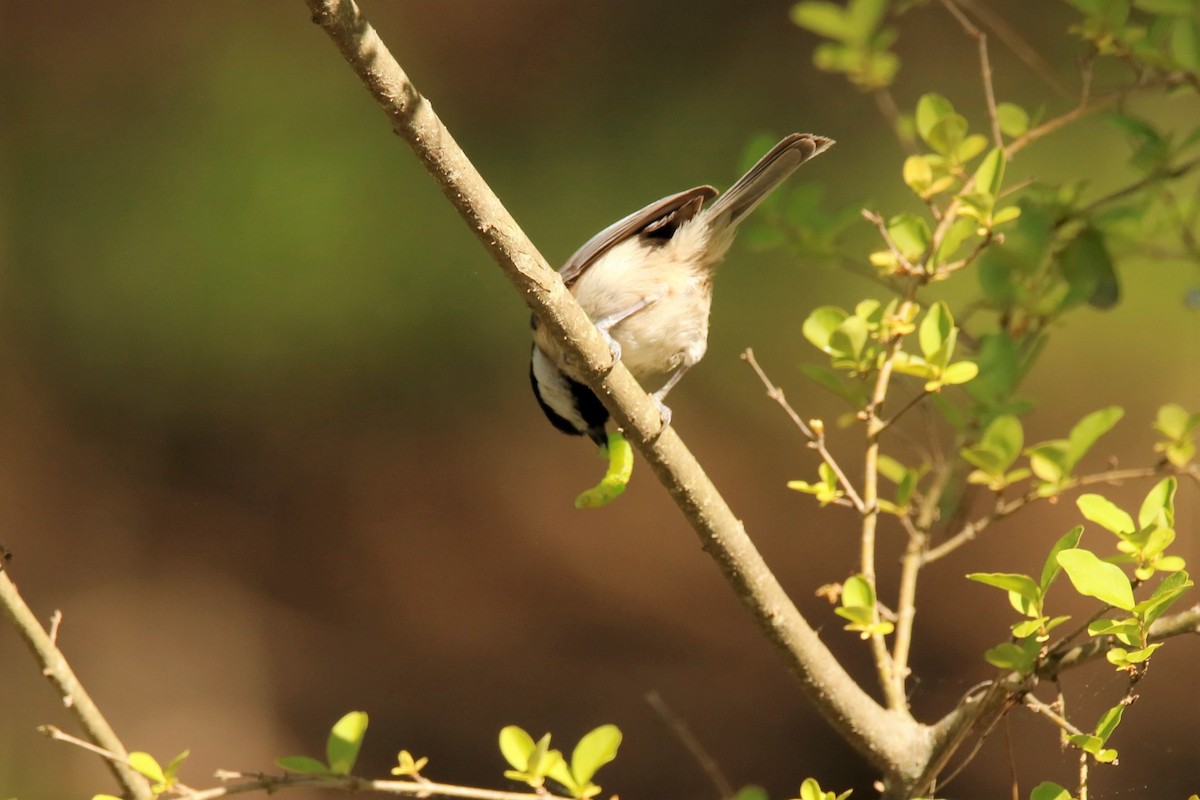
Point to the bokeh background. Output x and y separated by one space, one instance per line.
265 428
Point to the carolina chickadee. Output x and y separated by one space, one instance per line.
646 283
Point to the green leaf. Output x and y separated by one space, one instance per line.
1185 44
1174 421
595 749
821 324
1108 723
1020 657
1105 513
1165 594
751 792
1089 429
857 593
892 469
345 740
1016 583
1051 568
1014 120
1181 8
147 765
917 173
1049 791
302 765
1095 578
931 109
1004 436
850 338
1088 269
172 768
1124 630
516 746
1159 506
960 372
947 134
825 19
989 175
910 234
935 330
863 17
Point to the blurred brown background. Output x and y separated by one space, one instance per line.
265 423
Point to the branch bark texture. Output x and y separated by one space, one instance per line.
895 745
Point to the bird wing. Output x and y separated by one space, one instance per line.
654 217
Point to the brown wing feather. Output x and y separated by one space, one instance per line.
622 229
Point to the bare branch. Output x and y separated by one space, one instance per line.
985 67
815 440
1020 48
74 696
1002 509
891 742
1181 624
878 221
685 736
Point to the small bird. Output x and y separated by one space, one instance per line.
646 283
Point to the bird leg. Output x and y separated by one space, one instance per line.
663 409
606 324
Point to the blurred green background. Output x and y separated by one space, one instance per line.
265 419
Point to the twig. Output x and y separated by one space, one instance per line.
891 681
1043 709
74 696
1002 510
59 735
684 734
1181 624
887 423
883 739
815 440
891 113
55 622
1133 188
876 220
985 67
257 782
1020 48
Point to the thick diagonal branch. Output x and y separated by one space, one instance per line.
894 745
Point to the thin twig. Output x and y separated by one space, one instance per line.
891 113
815 440
684 734
887 423
55 622
1182 624
1047 711
975 527
256 782
74 696
878 221
891 682
1155 177
985 67
1019 47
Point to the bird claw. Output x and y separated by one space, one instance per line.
614 347
664 410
